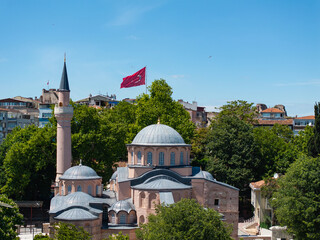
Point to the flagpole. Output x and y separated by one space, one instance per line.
146 81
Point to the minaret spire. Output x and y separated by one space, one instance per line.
64 83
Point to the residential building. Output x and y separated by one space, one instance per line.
45 112
271 116
99 101
11 118
261 204
198 114
300 123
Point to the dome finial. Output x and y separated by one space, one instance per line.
65 57
158 120
80 164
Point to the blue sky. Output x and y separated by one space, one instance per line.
261 51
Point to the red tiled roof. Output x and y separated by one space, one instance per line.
272 110
272 122
258 184
306 117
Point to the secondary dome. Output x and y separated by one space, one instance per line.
79 172
122 205
158 134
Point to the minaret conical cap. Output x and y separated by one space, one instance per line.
64 83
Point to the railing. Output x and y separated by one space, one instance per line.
250 220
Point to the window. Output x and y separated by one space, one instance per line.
187 159
161 158
79 188
123 219
69 189
90 190
172 158
216 202
98 190
132 159
113 218
181 158
139 157
132 218
149 161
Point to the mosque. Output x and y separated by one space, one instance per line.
158 172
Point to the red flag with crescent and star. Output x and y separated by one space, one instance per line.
136 79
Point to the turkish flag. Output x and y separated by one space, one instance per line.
136 79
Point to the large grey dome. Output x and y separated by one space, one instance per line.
79 172
158 134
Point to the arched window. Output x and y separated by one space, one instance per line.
132 160
132 218
139 157
79 189
181 158
69 189
161 158
149 161
97 190
90 190
172 158
113 218
123 219
62 190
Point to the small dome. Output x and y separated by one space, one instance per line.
122 205
76 214
158 134
79 172
204 174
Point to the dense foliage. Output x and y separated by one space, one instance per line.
297 200
184 220
99 138
314 142
9 218
232 152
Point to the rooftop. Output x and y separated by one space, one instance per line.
272 110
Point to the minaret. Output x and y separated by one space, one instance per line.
63 113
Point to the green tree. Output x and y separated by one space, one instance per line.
27 159
160 105
314 141
9 218
118 236
241 109
232 153
198 149
301 140
185 219
276 148
67 231
297 201
42 237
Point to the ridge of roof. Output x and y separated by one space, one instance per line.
272 110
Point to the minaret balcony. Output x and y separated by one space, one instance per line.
63 110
